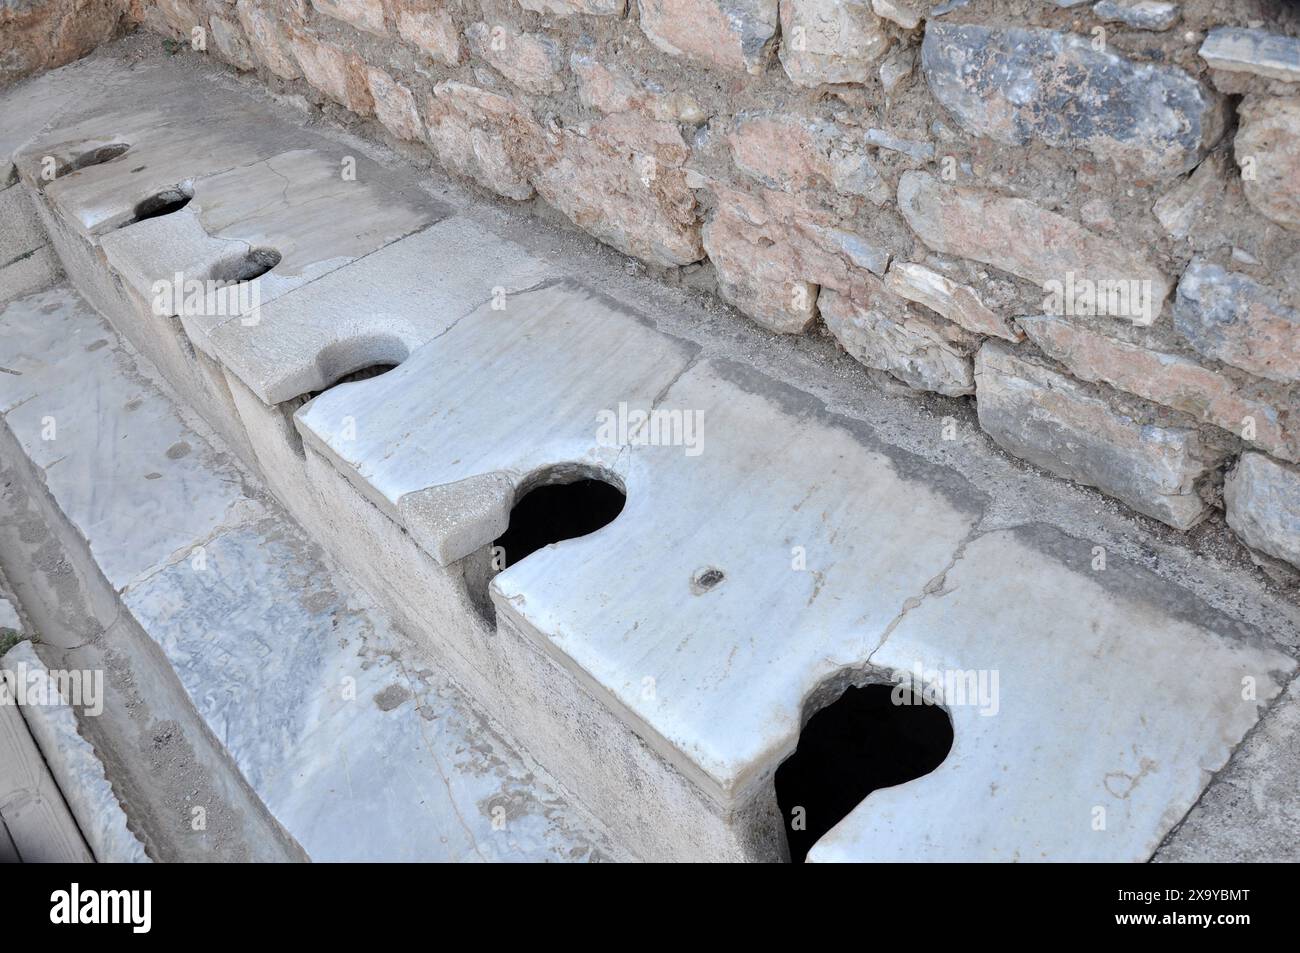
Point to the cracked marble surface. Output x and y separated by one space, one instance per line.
808 525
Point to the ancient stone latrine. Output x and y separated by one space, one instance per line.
1083 218
1083 215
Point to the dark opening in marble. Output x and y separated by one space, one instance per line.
869 738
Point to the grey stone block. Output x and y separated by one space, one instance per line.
1242 50
1233 318
1262 497
1018 85
1053 421
1139 14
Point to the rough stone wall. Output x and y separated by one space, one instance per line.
37 35
1084 214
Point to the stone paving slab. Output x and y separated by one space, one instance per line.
33 272
1252 811
1117 699
9 618
128 472
362 753
22 232
358 747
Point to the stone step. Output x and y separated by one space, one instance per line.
358 745
766 553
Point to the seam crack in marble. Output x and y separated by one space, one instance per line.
932 588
